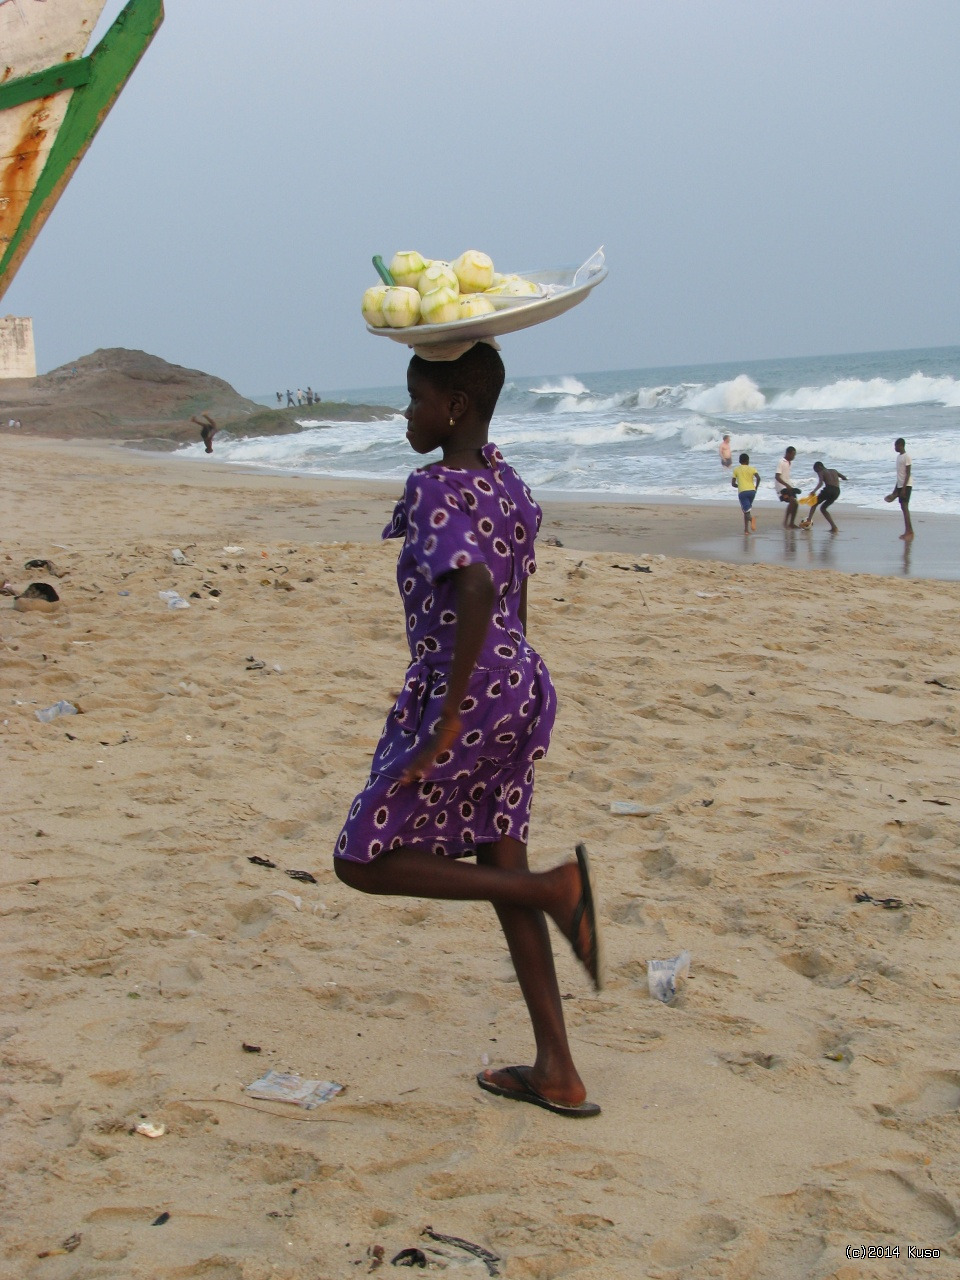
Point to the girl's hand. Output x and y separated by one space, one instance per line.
474 595
441 740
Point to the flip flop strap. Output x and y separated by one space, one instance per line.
578 914
525 1085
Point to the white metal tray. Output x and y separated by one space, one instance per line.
563 288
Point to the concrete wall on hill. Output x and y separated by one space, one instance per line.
18 358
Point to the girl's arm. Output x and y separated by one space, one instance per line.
474 605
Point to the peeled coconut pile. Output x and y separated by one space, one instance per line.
432 291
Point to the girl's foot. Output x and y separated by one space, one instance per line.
576 918
517 1083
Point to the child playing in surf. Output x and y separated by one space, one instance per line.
746 481
208 429
827 492
453 773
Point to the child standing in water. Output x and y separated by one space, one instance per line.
746 481
453 773
828 488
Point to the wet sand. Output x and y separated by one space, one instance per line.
791 737
868 541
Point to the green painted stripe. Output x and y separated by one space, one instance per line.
110 66
65 75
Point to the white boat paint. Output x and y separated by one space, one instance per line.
40 33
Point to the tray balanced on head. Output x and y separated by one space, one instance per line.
558 290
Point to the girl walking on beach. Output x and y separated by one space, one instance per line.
453 772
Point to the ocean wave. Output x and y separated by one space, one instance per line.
565 386
741 394
928 450
591 404
665 397
579 399
312 447
877 393
608 433
317 424
657 431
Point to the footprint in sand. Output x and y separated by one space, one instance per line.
397 1004
811 963
937 1093
659 862
252 915
276 1163
694 1240
895 1197
168 1039
179 980
628 911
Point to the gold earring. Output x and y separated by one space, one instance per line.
453 422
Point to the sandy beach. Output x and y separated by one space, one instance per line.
790 738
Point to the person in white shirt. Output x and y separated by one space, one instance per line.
785 490
904 487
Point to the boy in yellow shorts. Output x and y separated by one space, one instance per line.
746 481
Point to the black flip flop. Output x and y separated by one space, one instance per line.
591 959
525 1092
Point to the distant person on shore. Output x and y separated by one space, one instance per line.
746 481
828 486
290 401
785 490
726 459
904 488
280 397
208 429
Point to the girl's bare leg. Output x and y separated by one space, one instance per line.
415 873
520 897
553 1073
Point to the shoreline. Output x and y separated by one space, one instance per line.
868 541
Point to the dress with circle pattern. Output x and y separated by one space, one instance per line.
482 788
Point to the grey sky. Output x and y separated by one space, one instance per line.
769 177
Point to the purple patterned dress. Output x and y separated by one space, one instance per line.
482 788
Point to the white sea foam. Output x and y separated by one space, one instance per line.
738 395
604 433
565 386
587 404
696 433
877 393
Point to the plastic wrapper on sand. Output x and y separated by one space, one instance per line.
282 1086
665 977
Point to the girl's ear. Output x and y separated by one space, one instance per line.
459 404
